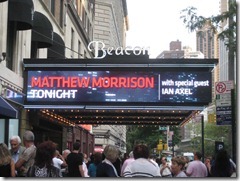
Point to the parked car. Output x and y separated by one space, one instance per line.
190 155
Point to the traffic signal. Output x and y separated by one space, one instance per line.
160 146
165 146
212 118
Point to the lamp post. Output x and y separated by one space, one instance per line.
202 119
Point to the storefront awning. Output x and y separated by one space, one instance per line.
58 48
6 110
21 12
42 32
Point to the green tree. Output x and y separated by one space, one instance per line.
195 22
212 133
142 134
217 133
149 135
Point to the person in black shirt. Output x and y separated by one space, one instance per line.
221 165
75 162
7 166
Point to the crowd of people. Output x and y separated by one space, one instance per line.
45 160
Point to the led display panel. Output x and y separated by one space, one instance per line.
114 87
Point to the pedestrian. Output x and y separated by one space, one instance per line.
158 161
187 160
43 165
129 160
27 158
64 170
106 167
16 148
118 163
96 159
207 162
85 169
75 162
85 158
91 158
222 166
141 166
65 153
196 168
153 160
125 157
7 165
59 161
177 166
165 169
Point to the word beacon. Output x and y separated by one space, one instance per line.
100 50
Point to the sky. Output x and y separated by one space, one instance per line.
155 23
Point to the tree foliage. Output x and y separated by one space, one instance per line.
193 22
149 135
212 133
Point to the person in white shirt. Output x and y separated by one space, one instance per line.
84 165
127 161
59 161
141 166
165 169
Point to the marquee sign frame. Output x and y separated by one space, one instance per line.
178 79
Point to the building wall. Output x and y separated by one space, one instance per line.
109 23
110 28
176 45
81 24
3 27
223 61
223 52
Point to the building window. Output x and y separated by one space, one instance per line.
56 8
79 8
72 43
2 130
11 45
13 127
90 32
83 17
79 49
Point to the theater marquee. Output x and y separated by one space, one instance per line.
116 84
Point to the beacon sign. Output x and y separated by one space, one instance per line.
100 50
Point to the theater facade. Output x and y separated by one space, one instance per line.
117 91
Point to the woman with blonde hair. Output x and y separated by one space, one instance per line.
177 166
106 168
7 166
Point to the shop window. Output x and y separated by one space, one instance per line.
13 127
2 130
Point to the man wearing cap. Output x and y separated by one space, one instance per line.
27 158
